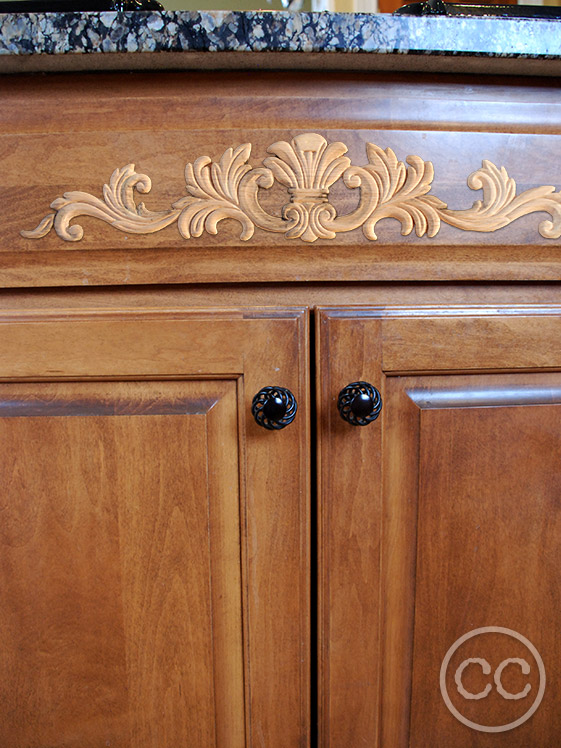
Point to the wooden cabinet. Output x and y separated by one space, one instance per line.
154 547
171 573
439 519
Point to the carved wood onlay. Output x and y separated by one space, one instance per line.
308 167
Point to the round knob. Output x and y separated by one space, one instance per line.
359 403
274 407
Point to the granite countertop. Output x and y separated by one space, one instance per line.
242 40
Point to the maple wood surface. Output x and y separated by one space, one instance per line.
215 298
154 540
127 368
62 133
449 523
497 524
108 605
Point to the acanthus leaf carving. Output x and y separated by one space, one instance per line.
117 208
307 166
500 205
403 193
213 192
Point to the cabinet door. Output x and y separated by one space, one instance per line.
440 529
153 538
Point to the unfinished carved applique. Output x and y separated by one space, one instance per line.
307 167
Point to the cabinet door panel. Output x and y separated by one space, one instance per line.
489 546
140 586
459 480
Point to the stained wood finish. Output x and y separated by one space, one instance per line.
154 540
308 166
74 131
231 99
349 529
447 522
159 576
297 294
107 592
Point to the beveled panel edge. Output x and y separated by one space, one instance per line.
450 310
478 397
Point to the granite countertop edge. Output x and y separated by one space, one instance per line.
226 37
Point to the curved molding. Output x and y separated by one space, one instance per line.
307 167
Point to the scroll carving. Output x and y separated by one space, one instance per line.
307 167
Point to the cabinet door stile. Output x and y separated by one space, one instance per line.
278 556
349 531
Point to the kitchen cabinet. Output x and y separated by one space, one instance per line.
173 574
439 519
154 548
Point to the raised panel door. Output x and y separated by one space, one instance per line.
440 529
153 538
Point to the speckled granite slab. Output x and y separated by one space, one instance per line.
190 39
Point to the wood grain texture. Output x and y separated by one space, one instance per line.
86 163
465 484
337 100
488 548
349 542
308 167
94 128
123 405
259 295
107 588
177 613
398 557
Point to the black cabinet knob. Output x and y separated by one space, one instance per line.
359 403
274 407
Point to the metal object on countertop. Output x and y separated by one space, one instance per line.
76 6
440 8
